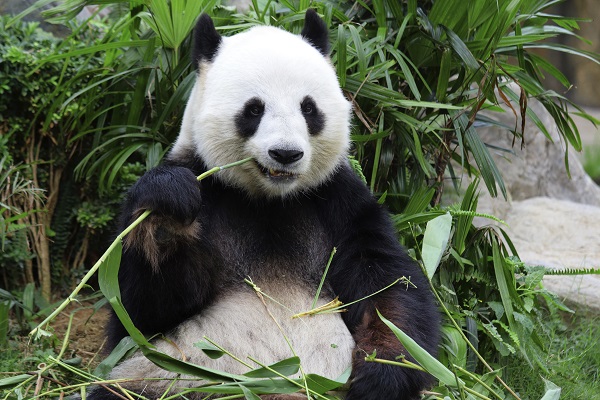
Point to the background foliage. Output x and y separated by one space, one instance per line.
83 116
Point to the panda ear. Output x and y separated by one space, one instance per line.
206 41
315 32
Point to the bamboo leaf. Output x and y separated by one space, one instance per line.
262 386
435 240
502 282
552 392
464 222
93 49
174 365
341 55
488 168
461 49
387 96
210 349
125 346
321 385
11 381
248 395
431 364
403 221
360 52
444 75
289 366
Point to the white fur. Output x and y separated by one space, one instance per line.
322 342
281 69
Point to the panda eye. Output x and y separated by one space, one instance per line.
255 111
307 106
254 108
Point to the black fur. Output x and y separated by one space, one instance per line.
342 210
248 118
315 120
206 41
315 32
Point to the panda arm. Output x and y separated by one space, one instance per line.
165 276
368 259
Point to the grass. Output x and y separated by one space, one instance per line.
573 359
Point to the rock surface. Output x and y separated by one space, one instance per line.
553 219
559 234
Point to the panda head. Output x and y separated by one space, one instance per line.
271 95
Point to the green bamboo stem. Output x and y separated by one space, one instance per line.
38 331
316 299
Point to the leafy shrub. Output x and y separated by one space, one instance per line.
40 129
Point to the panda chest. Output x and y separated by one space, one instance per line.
265 243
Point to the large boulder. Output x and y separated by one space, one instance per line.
559 234
552 218
537 169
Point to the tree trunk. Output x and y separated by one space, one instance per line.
40 221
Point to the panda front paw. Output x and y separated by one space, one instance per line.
170 192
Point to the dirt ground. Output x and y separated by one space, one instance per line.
86 337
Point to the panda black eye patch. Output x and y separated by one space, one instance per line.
315 120
248 118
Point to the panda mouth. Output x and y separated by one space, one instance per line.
275 174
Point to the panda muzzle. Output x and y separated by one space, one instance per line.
273 173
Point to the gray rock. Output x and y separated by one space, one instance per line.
553 219
241 5
558 234
538 169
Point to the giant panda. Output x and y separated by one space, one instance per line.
273 96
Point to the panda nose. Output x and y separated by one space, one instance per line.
285 156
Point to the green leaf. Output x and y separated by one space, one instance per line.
174 365
461 49
360 52
488 168
93 49
455 345
403 221
248 395
444 75
209 349
11 381
435 240
4 308
262 386
108 280
109 269
552 391
322 385
502 281
341 55
289 366
464 222
426 360
125 346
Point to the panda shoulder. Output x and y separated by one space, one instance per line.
346 190
187 159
